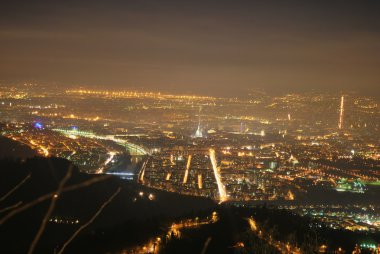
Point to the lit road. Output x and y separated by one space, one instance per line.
221 188
142 172
187 169
109 159
284 248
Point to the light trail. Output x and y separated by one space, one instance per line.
222 191
190 223
200 183
110 158
142 172
252 224
282 247
341 113
154 245
187 169
71 155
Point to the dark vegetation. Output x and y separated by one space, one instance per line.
136 216
282 225
12 149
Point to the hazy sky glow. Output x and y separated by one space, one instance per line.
193 46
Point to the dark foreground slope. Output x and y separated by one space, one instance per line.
138 214
131 209
273 231
10 148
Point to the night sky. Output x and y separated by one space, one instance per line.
193 46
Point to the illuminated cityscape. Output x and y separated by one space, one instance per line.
136 127
241 152
251 150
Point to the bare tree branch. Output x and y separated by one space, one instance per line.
15 188
90 221
51 194
11 207
204 249
50 210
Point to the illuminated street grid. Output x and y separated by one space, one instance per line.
260 147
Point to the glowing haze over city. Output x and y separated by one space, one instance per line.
190 127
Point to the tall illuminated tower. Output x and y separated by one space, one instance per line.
341 113
198 133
